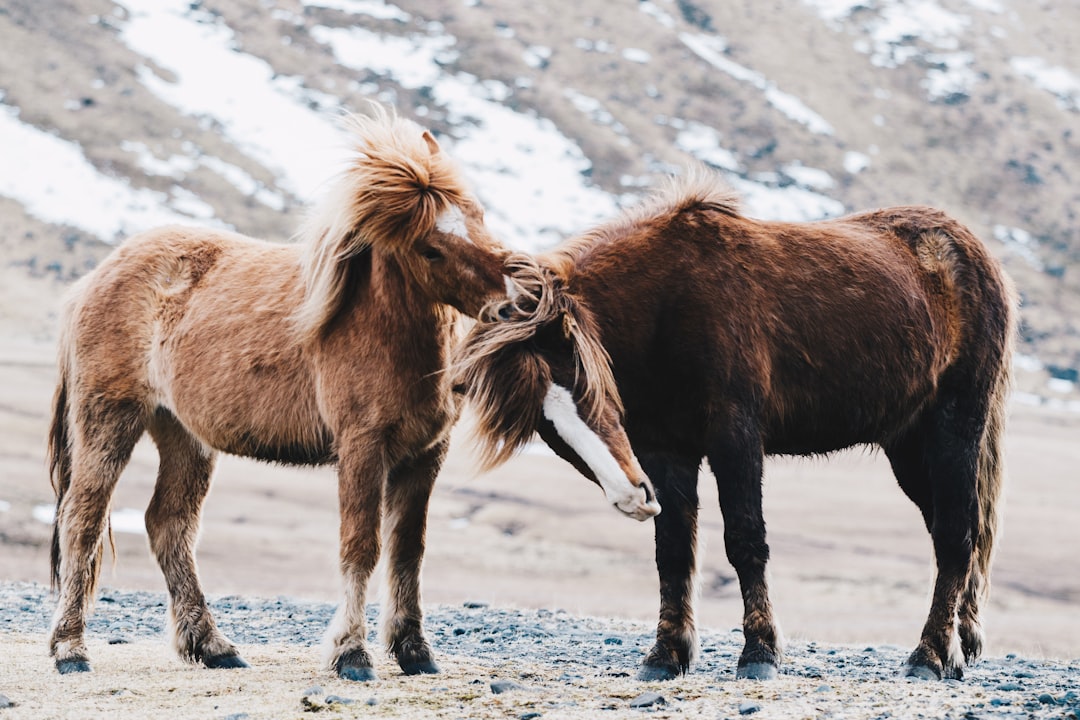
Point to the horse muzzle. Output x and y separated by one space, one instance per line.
640 503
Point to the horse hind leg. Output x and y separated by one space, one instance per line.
172 524
408 490
944 484
102 438
913 475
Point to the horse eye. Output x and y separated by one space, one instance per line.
431 254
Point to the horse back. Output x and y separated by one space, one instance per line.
905 305
828 334
197 323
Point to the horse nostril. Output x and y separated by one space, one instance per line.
650 496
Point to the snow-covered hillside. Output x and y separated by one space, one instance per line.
119 115
532 177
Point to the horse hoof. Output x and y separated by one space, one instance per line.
359 674
420 667
922 672
225 662
756 671
653 673
66 667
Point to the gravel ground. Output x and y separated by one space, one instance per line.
561 656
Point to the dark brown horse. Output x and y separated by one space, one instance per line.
732 339
331 350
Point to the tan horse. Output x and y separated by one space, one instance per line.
731 339
331 350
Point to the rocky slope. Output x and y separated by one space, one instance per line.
115 116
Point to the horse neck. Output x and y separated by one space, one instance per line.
624 281
389 301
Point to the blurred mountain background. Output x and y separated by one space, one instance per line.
117 116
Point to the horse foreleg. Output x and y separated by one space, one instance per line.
738 469
362 472
675 480
102 446
408 490
172 524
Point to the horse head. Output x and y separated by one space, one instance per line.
534 363
403 197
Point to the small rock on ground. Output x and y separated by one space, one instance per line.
331 699
647 699
500 686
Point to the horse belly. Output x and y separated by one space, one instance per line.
242 387
866 402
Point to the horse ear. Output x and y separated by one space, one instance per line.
433 145
569 325
514 291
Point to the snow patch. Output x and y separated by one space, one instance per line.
245 183
266 116
656 13
536 56
600 46
855 162
124 520
636 55
894 32
1028 363
1051 403
810 177
177 167
595 111
1060 385
952 75
703 142
791 203
1056 80
529 175
710 48
1019 242
990 6
372 8
54 182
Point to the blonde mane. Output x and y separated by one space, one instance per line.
388 197
496 355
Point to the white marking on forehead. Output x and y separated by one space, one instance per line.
452 222
560 410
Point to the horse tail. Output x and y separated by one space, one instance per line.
990 471
59 453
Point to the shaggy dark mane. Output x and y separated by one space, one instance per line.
504 375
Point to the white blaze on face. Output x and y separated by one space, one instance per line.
452 222
560 410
